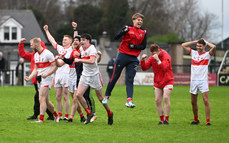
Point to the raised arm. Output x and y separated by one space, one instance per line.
123 31
74 25
21 51
145 65
213 47
139 47
187 45
50 37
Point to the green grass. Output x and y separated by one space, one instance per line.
130 125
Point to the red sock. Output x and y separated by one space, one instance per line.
167 118
109 113
41 118
208 120
81 114
66 115
71 116
162 118
129 99
60 114
55 114
88 111
107 97
196 118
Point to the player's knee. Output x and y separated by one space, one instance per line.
206 101
158 101
58 98
75 100
166 99
194 103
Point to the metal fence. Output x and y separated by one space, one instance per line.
9 78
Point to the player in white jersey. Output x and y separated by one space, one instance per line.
90 77
62 74
45 67
199 75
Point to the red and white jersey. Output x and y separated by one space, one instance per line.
63 51
72 72
43 61
199 65
89 69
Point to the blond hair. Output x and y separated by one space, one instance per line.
36 41
68 36
137 15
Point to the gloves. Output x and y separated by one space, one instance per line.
131 46
125 29
38 78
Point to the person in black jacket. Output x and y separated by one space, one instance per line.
110 67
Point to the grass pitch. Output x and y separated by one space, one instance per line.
130 125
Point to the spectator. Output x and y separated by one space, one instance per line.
20 71
2 66
110 67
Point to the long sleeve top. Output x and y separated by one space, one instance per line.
163 74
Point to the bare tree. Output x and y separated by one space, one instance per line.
188 22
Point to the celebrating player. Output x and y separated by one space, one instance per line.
163 79
90 76
199 75
30 57
133 41
44 67
62 74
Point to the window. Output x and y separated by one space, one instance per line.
14 33
6 33
10 33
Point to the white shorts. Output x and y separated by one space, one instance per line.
94 82
46 82
199 85
167 87
72 84
61 80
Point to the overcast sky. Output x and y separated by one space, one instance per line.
215 6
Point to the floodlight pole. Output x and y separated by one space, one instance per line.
222 25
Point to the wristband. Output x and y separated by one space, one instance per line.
74 29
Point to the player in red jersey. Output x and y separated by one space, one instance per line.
160 61
133 41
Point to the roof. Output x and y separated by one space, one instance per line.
31 28
225 44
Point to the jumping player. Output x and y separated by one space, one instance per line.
160 61
199 75
90 77
133 41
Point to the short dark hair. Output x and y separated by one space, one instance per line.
154 47
86 36
78 37
201 41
